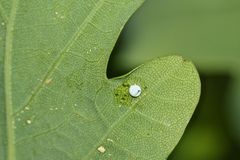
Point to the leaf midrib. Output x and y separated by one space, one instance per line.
8 82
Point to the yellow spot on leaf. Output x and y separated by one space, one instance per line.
48 81
101 149
29 121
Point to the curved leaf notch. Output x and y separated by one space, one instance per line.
55 99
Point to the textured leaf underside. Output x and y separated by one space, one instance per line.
56 101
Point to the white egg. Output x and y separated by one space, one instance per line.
135 90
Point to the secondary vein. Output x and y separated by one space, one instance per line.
8 83
66 48
114 125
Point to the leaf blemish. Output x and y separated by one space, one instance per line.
28 121
121 94
75 80
101 149
48 81
27 108
110 140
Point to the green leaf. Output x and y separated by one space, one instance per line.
56 101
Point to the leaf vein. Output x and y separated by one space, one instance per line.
65 50
116 123
8 83
148 118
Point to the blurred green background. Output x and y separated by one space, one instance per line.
208 33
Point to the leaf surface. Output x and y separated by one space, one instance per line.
56 101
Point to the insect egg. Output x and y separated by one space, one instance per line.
135 90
